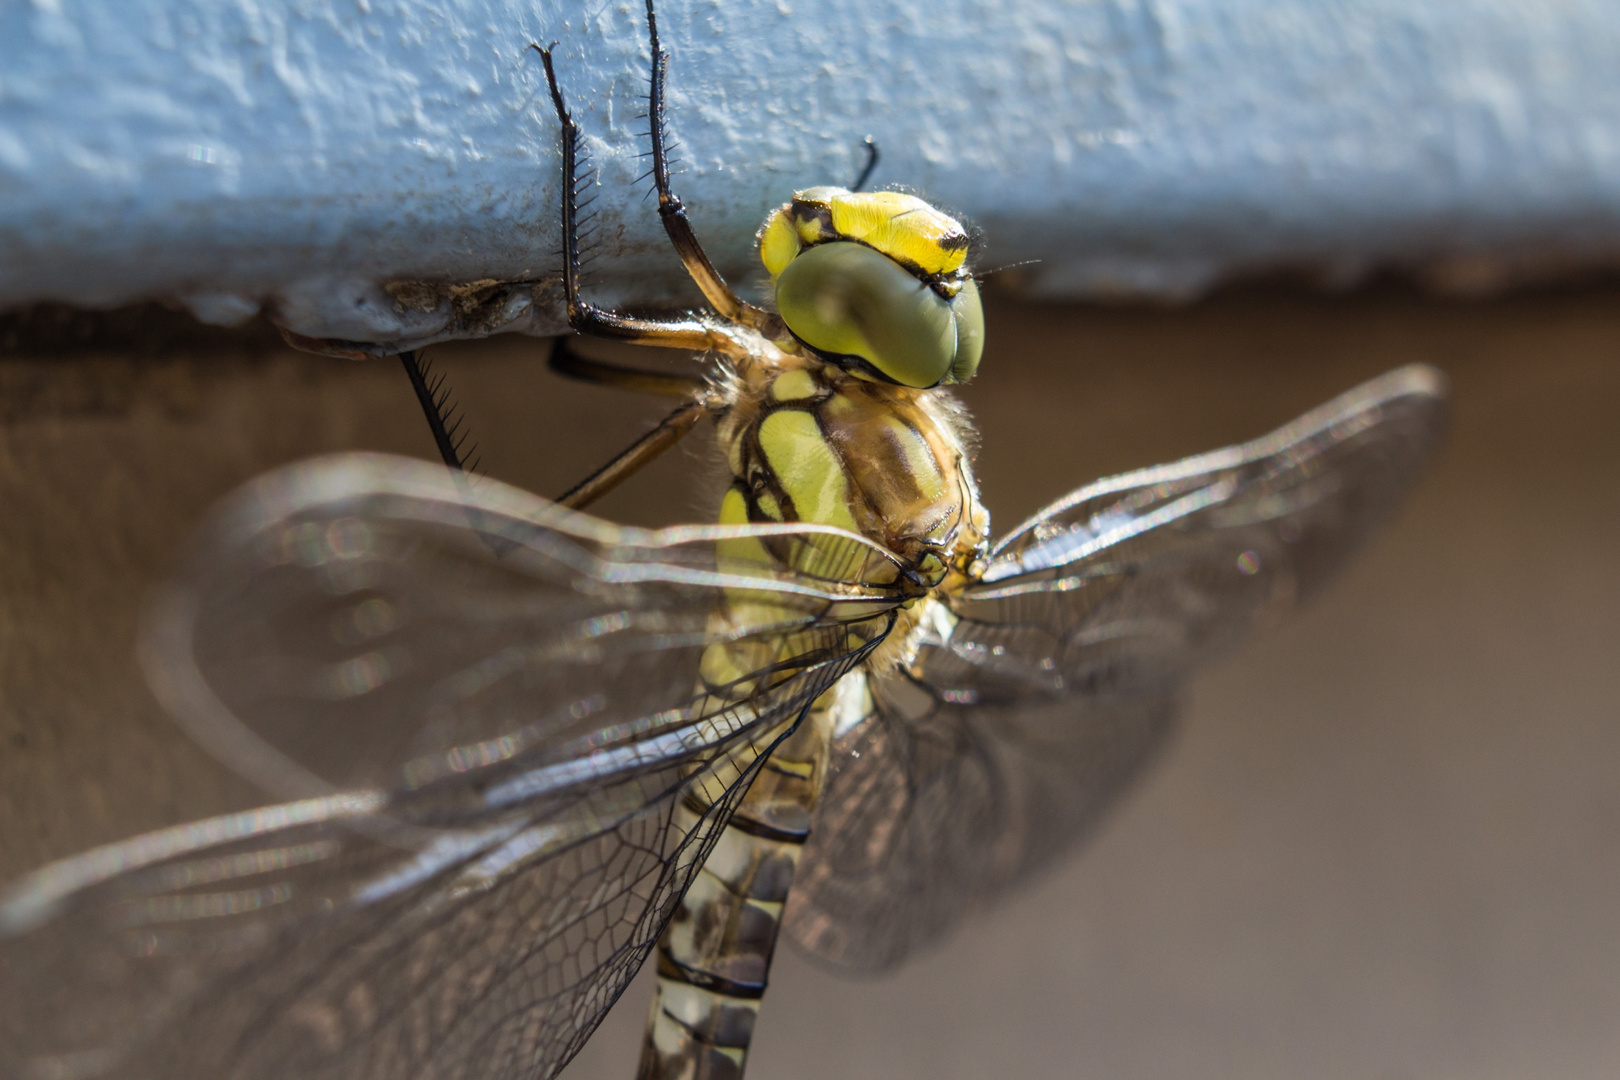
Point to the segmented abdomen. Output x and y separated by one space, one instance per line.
715 956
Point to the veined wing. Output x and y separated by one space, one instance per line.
1044 687
487 710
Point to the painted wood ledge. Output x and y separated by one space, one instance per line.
340 162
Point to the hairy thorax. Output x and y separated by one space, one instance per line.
809 442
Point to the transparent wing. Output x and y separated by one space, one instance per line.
937 807
487 711
1048 684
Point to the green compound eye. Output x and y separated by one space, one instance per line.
969 314
846 299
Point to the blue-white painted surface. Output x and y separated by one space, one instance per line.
299 153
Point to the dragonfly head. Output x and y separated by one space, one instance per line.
877 283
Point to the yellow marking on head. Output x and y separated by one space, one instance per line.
905 228
778 241
767 506
794 385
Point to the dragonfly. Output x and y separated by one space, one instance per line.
521 750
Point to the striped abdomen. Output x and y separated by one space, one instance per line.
715 956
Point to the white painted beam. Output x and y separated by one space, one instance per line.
299 154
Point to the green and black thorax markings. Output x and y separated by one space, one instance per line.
813 443
809 442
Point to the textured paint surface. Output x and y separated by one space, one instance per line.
301 153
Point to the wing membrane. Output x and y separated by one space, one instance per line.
366 621
937 807
1048 684
487 712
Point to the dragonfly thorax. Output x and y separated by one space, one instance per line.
810 442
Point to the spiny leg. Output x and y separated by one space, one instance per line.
442 420
670 209
589 319
449 436
585 317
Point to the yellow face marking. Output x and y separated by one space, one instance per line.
794 386
903 227
807 468
778 242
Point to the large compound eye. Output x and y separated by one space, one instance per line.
846 299
969 315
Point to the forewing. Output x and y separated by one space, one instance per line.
370 621
1048 684
490 712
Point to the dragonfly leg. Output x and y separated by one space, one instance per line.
585 317
670 208
668 432
449 434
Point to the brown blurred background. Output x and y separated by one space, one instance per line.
1385 845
